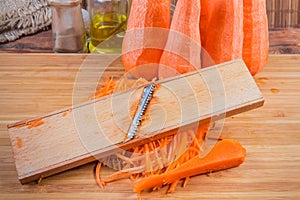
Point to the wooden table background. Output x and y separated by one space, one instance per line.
35 84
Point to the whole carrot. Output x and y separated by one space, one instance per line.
145 37
221 28
256 35
183 48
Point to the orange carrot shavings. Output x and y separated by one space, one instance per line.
35 123
19 142
162 162
99 182
21 125
66 112
158 151
106 88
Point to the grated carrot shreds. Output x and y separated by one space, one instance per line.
186 180
98 180
172 186
35 123
106 88
151 162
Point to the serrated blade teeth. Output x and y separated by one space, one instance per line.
143 104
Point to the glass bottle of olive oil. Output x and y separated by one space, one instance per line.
108 25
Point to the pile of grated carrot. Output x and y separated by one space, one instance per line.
168 160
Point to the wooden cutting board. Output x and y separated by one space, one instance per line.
270 134
55 142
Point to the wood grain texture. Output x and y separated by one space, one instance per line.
270 135
79 134
284 41
39 42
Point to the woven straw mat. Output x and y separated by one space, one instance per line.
23 17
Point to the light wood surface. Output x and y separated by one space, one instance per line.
36 84
79 134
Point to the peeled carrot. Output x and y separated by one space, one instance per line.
204 17
225 154
256 35
221 29
147 24
183 48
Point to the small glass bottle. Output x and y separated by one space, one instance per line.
108 25
68 34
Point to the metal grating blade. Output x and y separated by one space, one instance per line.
146 97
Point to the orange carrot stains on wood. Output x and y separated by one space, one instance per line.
66 112
35 123
261 80
145 37
183 49
256 35
274 90
19 142
222 29
21 125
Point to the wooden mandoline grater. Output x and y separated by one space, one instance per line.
83 133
